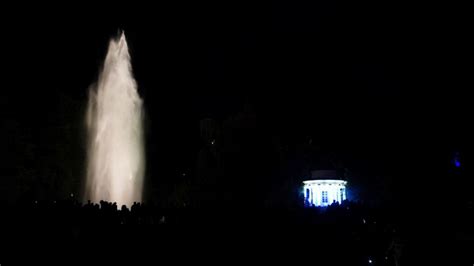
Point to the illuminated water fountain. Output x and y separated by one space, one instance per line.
114 120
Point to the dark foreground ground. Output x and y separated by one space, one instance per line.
347 234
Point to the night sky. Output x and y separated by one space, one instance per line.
383 89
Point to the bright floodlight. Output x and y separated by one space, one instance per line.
324 192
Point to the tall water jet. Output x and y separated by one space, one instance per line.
114 122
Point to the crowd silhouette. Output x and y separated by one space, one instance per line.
364 234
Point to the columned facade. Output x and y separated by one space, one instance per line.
324 192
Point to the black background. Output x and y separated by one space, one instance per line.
385 87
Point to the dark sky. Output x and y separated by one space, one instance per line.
385 87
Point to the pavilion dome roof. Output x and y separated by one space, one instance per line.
325 174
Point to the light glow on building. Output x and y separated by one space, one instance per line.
324 192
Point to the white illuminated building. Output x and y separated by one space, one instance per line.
324 189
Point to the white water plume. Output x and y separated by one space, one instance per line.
114 120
